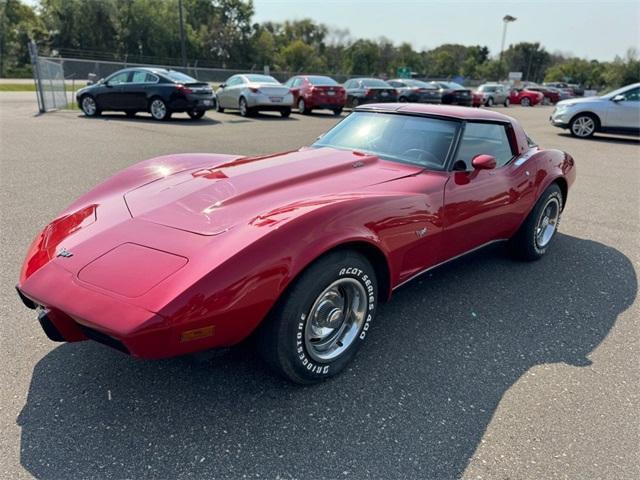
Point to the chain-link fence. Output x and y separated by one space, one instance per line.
85 70
50 81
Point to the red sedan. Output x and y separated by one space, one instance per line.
315 92
189 252
525 97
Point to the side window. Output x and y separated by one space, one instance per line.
485 139
297 82
289 83
348 84
632 95
397 84
234 81
138 77
119 78
151 78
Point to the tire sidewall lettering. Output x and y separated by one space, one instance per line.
324 369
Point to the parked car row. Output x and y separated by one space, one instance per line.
163 92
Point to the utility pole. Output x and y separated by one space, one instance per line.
505 20
182 44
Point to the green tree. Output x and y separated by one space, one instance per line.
529 58
18 24
300 57
362 58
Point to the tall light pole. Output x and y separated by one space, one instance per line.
505 20
182 45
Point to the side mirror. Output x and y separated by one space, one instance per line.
222 85
107 84
618 98
484 162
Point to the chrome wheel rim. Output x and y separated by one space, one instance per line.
335 319
506 102
243 107
301 105
490 102
525 102
89 106
583 126
548 222
158 109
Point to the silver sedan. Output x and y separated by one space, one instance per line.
252 93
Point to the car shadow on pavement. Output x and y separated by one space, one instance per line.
598 137
414 404
142 118
267 116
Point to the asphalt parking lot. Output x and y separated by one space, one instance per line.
485 368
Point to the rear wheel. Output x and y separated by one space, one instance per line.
219 107
89 106
245 111
582 126
320 323
337 111
525 102
159 110
285 112
506 102
195 114
538 230
403 99
355 102
490 102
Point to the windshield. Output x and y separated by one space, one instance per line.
488 88
374 82
261 79
402 138
619 91
321 81
453 86
180 77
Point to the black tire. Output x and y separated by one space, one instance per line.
85 103
354 102
130 114
159 109
403 99
337 111
285 112
195 114
490 102
283 340
507 102
525 102
302 107
245 111
583 125
219 108
525 244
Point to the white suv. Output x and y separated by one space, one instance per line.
615 112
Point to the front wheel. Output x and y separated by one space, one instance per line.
245 111
582 126
285 112
195 114
159 110
506 102
337 111
538 230
322 320
302 107
490 102
89 106
525 102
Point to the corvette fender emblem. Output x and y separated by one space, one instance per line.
64 253
422 232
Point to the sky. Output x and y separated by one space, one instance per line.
595 30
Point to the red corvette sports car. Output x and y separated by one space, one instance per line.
190 252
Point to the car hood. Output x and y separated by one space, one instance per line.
209 201
576 101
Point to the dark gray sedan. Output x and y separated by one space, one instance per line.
410 90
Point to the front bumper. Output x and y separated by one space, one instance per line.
560 119
72 313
